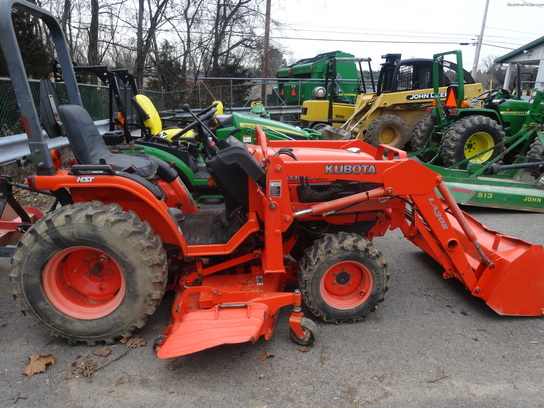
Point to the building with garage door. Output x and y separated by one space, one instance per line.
529 54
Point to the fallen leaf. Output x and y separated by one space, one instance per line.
133 341
102 351
38 363
266 355
304 348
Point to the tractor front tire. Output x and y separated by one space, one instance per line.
387 129
89 272
421 137
470 136
342 277
536 153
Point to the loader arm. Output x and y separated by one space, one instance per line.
504 271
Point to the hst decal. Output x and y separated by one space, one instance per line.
82 179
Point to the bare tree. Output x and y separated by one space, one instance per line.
491 75
147 29
232 29
177 40
93 34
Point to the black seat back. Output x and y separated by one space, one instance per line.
85 140
89 147
230 169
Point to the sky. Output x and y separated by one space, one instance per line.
414 28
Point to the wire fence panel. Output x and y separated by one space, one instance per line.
95 100
235 93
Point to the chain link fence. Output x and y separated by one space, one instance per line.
235 93
95 100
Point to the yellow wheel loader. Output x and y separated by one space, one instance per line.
388 116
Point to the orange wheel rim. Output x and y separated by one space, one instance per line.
83 283
346 285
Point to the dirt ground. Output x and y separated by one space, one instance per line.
430 344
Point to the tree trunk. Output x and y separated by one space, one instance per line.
140 56
93 38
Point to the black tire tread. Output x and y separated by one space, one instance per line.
324 248
451 142
128 227
536 152
372 133
421 135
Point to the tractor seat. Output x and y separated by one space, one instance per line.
152 124
89 147
231 168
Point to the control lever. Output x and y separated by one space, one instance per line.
211 139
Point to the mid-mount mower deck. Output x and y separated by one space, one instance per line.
294 211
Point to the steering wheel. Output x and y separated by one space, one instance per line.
488 96
263 141
205 114
359 88
207 109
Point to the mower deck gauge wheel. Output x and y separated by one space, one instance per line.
310 329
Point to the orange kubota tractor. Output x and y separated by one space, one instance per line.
295 211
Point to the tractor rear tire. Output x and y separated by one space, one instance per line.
421 138
89 272
342 277
536 153
470 136
387 129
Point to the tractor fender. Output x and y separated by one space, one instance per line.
463 113
126 192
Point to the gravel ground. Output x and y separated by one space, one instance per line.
430 344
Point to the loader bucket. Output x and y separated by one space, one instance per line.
519 289
512 283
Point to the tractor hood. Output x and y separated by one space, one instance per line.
274 129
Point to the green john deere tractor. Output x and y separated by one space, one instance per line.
455 133
482 151
179 146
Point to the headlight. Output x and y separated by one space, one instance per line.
319 93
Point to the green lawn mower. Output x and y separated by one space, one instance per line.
181 147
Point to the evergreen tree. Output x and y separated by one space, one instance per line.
33 49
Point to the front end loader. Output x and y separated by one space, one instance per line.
305 212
